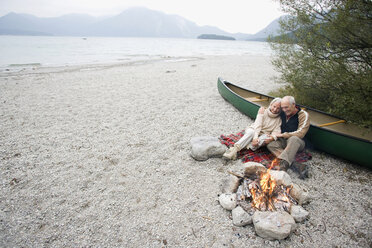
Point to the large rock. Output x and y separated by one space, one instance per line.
241 217
281 177
273 225
299 194
299 213
251 168
227 201
230 185
206 147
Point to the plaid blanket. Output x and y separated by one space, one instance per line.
261 155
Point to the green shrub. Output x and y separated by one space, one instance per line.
324 56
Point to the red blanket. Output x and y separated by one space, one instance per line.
261 155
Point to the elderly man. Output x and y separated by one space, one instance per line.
295 124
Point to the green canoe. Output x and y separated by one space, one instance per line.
327 132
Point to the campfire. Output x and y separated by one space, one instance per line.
261 192
266 198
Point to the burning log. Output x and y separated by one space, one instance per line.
243 191
262 191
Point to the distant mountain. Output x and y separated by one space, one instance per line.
271 29
133 22
69 25
142 22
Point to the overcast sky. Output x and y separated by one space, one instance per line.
246 16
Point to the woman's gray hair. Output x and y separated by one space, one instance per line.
277 99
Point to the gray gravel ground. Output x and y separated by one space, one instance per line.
98 156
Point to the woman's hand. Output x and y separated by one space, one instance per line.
255 142
268 140
261 110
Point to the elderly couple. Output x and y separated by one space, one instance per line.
282 128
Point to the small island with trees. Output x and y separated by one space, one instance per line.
215 37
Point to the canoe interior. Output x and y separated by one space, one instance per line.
316 118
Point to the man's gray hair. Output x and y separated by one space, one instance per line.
290 99
277 99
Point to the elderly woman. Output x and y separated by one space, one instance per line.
261 132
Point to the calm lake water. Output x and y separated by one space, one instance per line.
31 51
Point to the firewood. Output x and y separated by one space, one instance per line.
235 174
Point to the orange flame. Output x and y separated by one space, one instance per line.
274 163
262 198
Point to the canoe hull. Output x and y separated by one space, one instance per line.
347 147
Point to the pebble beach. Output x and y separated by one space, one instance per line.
99 156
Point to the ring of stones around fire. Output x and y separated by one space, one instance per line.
278 218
